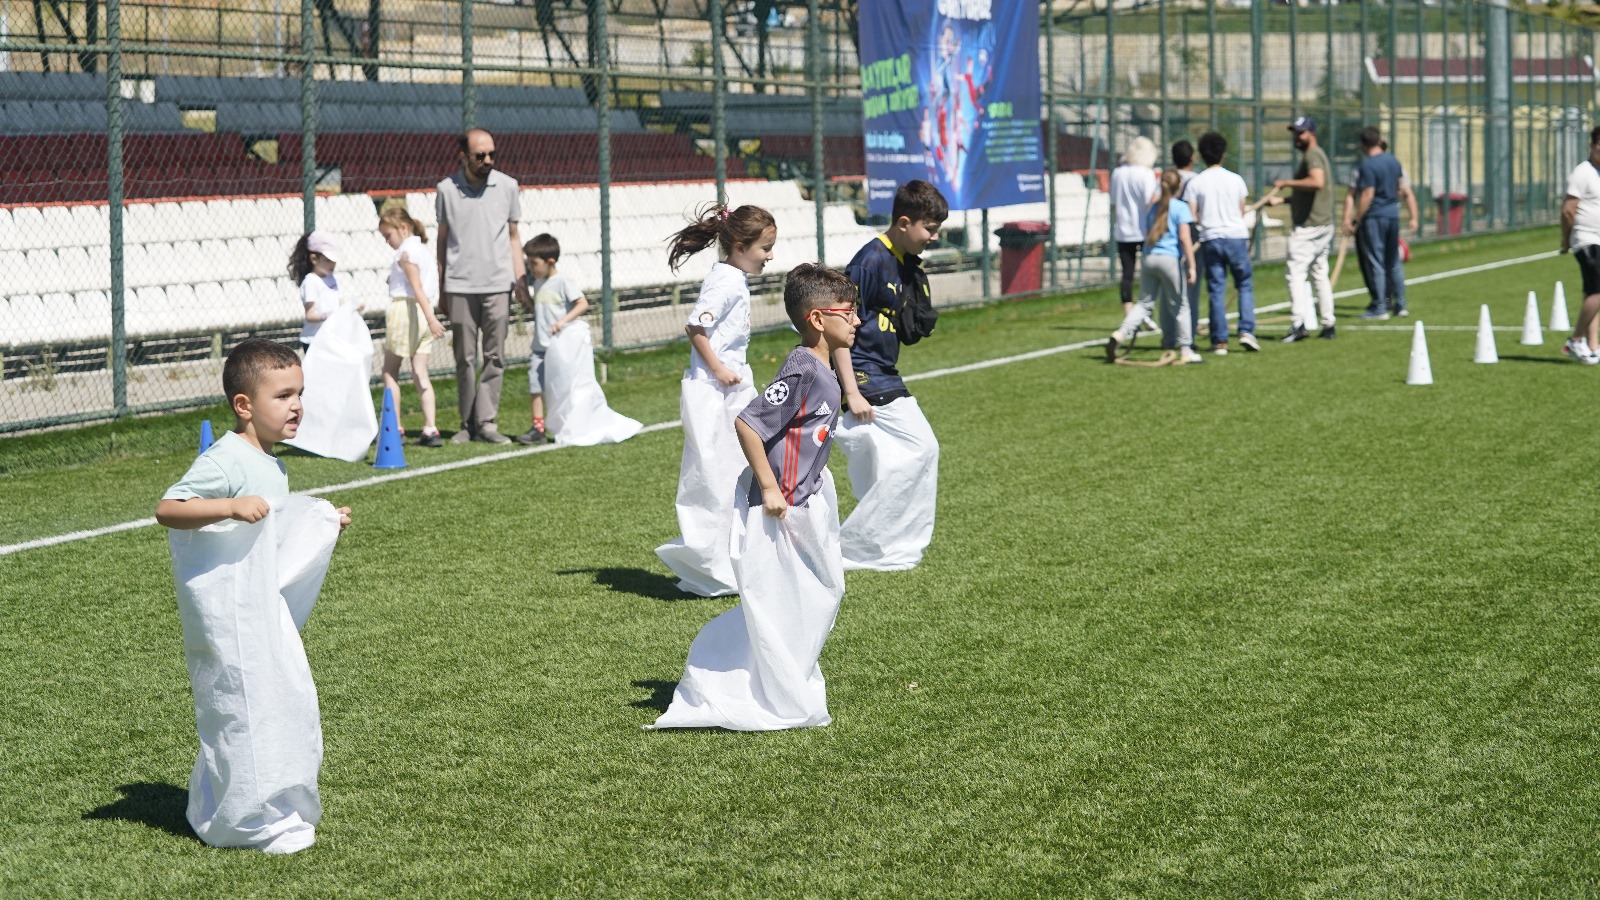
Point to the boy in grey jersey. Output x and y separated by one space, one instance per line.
754 668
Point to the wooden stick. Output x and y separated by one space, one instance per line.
1338 265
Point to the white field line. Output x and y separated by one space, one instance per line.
403 474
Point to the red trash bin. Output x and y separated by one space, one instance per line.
1451 208
1022 256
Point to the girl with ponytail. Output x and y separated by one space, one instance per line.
1165 240
716 387
412 326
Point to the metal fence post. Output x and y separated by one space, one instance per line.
1109 89
1366 92
600 52
469 88
719 103
1294 58
819 158
1420 173
308 116
1161 51
987 265
1333 86
1257 114
1394 76
114 198
1053 163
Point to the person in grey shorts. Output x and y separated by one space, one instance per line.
480 265
1163 280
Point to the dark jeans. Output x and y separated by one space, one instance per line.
1386 275
1219 258
1128 254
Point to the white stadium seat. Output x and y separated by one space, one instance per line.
28 229
91 316
26 320
147 312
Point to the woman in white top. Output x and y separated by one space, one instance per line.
716 388
322 290
411 326
1133 188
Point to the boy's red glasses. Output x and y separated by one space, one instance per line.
835 310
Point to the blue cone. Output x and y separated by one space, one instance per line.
391 452
206 439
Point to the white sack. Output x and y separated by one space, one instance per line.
244 591
578 413
754 668
712 462
894 474
338 420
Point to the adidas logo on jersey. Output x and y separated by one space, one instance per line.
824 409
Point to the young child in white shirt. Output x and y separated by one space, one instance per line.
717 385
312 266
556 302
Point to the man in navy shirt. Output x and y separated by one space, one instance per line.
1377 211
894 457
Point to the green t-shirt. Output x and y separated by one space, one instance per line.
1308 208
232 468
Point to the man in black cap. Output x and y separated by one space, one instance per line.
1311 214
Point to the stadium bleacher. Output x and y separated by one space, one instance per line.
217 265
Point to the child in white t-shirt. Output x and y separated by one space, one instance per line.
322 290
556 302
716 387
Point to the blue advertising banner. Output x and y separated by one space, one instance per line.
950 94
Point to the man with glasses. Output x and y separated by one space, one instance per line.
480 264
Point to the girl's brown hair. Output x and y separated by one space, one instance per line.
300 260
1171 185
397 217
715 222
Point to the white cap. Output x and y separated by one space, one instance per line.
325 244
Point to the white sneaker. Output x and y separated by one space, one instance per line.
1189 356
1578 349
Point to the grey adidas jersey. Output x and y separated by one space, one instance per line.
794 417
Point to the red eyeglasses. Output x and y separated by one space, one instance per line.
835 310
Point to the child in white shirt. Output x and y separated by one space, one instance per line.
716 387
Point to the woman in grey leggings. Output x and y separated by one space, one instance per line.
1160 277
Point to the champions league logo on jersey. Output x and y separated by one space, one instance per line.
777 392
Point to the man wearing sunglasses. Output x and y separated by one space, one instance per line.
480 265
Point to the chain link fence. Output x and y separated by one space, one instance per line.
158 161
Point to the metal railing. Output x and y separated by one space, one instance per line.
158 160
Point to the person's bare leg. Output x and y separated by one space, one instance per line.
538 406
1589 320
430 410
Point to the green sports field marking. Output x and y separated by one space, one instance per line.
73 536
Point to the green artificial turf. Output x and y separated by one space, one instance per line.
1275 625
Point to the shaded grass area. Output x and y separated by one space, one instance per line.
1274 625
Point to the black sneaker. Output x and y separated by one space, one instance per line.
1327 333
534 435
431 440
1297 333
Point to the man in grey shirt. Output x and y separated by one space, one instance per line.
480 264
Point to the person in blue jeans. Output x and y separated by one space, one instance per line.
1218 197
1377 214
